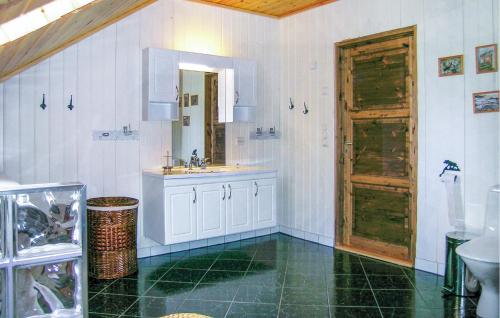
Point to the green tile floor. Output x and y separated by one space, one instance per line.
274 276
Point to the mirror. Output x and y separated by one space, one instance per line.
198 126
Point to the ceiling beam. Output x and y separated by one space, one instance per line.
38 45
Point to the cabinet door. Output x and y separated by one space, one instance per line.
264 203
239 207
163 76
245 82
211 210
180 210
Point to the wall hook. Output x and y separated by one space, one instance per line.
292 106
70 105
305 111
43 105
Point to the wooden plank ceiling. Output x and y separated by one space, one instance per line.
30 49
273 8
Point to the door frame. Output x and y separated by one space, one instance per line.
339 142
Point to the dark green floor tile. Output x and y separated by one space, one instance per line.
131 287
91 315
345 268
90 295
434 299
258 294
97 285
305 280
261 265
216 276
304 296
351 297
410 313
231 265
213 309
195 263
110 304
253 310
149 273
399 298
423 280
235 255
270 278
172 290
390 282
214 292
153 307
300 311
347 281
355 312
183 275
378 268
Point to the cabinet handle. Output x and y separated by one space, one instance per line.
224 188
177 90
256 188
194 190
236 97
229 186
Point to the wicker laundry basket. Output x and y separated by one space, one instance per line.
112 244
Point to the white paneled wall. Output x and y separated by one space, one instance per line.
448 129
103 73
295 59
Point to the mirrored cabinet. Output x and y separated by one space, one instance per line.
162 96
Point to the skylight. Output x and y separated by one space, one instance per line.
38 18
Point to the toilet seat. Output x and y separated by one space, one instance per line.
482 249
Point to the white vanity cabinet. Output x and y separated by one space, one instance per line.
264 203
239 207
185 208
180 214
211 210
160 84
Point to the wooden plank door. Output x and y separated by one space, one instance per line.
377 146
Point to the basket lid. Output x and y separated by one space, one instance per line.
112 202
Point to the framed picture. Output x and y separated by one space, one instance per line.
186 121
486 58
486 102
194 100
451 65
185 99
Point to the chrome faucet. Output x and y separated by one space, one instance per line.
194 161
204 162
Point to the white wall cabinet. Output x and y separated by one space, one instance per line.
199 208
160 84
245 89
180 212
264 203
239 207
211 210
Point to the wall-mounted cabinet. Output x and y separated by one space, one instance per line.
160 84
245 90
183 210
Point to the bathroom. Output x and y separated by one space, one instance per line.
295 95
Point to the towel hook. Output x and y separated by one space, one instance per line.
305 111
70 105
292 106
43 105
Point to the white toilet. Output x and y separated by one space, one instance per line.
481 256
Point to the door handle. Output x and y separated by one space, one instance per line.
194 190
224 188
256 188
229 186
177 91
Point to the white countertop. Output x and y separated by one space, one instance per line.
210 171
